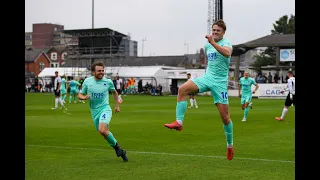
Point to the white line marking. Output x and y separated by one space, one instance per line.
65 112
161 153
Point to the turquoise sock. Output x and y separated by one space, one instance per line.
111 140
70 98
246 111
64 97
228 129
181 109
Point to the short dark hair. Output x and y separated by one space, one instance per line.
188 74
56 72
221 24
96 63
290 72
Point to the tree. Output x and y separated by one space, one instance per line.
284 25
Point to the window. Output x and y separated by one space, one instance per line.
64 56
54 56
54 65
28 37
42 65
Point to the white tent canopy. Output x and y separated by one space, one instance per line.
68 71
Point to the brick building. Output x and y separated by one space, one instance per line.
43 34
36 60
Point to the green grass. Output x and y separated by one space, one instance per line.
67 146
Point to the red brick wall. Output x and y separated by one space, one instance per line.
42 35
35 66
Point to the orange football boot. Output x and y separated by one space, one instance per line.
174 125
230 153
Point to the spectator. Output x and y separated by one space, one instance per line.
159 90
260 79
269 78
276 78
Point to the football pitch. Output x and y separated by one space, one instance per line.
66 146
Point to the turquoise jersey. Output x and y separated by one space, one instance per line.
63 83
99 93
74 84
246 86
218 65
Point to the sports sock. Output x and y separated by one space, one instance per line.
56 102
64 97
70 98
195 102
180 110
284 112
119 98
61 101
228 129
246 111
111 140
191 102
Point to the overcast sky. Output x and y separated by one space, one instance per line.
167 25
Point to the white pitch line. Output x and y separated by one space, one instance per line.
162 153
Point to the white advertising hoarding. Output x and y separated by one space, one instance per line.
270 91
287 55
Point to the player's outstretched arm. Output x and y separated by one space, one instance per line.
116 100
257 87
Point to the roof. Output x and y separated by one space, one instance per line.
135 71
182 73
96 31
68 71
278 40
45 50
59 48
32 54
150 61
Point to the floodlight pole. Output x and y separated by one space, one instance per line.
92 14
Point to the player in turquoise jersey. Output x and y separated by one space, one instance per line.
215 79
96 90
63 89
245 92
74 90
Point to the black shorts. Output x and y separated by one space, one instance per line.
57 94
119 91
192 94
289 101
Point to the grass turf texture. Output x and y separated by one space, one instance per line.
66 145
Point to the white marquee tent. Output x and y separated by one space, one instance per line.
68 71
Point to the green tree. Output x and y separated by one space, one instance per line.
284 25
